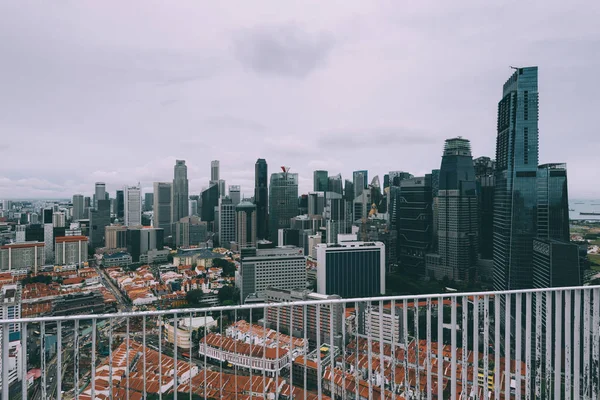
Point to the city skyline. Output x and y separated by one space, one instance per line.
87 87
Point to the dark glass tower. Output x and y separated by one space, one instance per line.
516 170
120 207
261 198
457 210
320 181
210 200
360 181
99 220
335 184
414 221
180 192
553 203
283 201
485 175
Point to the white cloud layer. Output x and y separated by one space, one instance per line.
116 91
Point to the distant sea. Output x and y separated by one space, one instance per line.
577 206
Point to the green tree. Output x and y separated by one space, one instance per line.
194 297
227 266
228 293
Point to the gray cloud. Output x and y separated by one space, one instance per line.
375 138
282 50
93 94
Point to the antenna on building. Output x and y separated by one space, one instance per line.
513 67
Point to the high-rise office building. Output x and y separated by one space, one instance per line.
99 220
553 203
99 192
193 206
283 200
261 198
414 223
133 205
457 211
334 184
163 197
142 240
115 237
485 175
226 222
235 194
396 177
555 264
190 231
360 181
245 222
180 192
516 181
351 269
120 205
349 191
210 200
320 181
214 171
149 202
78 207
59 219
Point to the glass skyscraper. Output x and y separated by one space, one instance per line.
516 181
283 201
553 203
261 197
457 210
320 181
180 192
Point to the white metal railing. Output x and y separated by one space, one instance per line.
532 344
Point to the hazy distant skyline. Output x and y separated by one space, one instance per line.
117 91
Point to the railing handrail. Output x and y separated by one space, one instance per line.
133 314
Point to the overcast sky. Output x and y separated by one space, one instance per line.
116 91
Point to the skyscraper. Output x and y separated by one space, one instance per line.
226 222
335 184
349 191
235 194
485 176
133 205
99 220
214 171
149 202
553 203
261 197
180 193
245 232
162 206
320 181
78 207
457 210
210 200
360 181
516 177
99 193
283 200
120 206
414 222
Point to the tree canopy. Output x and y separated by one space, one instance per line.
194 297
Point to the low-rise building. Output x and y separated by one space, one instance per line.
117 260
258 358
185 329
